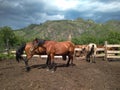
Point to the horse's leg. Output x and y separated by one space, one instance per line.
53 66
68 62
87 58
26 62
48 62
94 57
71 58
91 59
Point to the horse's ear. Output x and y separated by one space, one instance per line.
84 49
36 39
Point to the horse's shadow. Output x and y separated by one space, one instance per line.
42 66
39 66
63 65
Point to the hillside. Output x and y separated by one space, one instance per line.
61 29
56 30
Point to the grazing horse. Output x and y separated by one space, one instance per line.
28 48
90 52
53 48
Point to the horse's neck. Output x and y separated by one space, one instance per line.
48 43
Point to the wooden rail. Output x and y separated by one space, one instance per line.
76 49
101 52
106 54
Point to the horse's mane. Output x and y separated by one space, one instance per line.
39 41
21 48
91 51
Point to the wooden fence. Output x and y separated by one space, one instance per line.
76 49
98 53
112 53
103 52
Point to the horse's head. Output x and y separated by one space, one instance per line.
37 43
83 51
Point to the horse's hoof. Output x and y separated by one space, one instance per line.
47 70
52 71
72 64
67 65
87 61
28 69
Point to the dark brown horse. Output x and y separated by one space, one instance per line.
28 48
53 48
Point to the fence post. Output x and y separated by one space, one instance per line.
105 50
69 37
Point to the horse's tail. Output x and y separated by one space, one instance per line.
19 52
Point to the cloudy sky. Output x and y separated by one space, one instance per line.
21 13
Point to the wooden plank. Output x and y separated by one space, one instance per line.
110 54
78 49
109 51
113 56
100 55
13 52
115 45
43 56
100 49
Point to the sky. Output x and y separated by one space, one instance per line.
21 13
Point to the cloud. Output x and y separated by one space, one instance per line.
65 4
108 7
20 13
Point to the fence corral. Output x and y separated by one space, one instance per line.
112 51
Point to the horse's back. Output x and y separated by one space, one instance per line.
65 46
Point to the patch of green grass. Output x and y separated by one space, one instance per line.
5 56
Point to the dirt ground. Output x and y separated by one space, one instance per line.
102 75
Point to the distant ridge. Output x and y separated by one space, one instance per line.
61 29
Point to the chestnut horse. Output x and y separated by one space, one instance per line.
27 48
53 48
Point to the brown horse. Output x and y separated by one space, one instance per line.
53 48
27 48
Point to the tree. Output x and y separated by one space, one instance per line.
113 37
7 36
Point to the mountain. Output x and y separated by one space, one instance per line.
62 29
